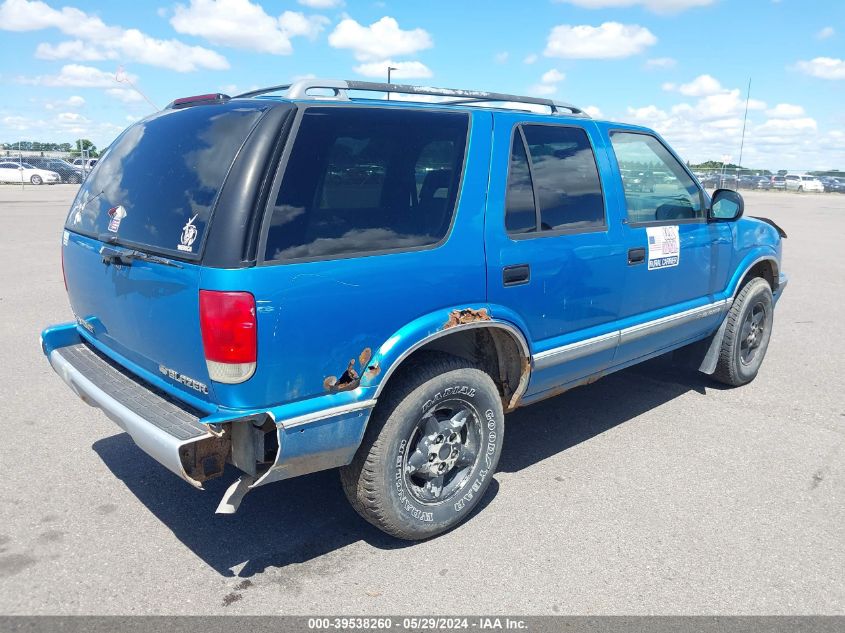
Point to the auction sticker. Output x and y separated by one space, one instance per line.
664 247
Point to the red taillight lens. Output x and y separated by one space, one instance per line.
228 325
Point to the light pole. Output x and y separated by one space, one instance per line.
389 68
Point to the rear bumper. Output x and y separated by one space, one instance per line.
165 431
195 445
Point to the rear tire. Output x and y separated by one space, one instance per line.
36 179
747 334
430 449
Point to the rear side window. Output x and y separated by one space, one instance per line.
156 185
553 184
364 180
657 187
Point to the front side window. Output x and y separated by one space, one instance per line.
553 184
657 187
363 180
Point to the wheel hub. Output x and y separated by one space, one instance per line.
442 450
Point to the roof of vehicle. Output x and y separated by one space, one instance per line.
339 91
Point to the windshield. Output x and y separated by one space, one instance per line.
156 186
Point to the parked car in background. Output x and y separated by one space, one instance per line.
72 174
833 184
762 182
728 181
218 290
804 182
87 164
709 181
24 172
778 182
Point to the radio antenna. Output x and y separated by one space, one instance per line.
744 120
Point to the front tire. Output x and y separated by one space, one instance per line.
430 449
747 334
36 179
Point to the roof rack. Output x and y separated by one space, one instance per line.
339 91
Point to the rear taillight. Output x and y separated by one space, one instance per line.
227 321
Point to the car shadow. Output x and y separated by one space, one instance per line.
301 519
552 426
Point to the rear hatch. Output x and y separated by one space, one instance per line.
134 238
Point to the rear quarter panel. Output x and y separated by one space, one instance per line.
317 318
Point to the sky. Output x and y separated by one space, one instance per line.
88 69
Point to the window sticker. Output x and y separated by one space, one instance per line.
116 214
189 235
664 247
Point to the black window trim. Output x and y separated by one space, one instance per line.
538 233
702 196
281 167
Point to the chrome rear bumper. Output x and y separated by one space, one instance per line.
167 432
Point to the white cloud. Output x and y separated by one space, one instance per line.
661 62
530 59
97 40
380 40
321 4
594 112
296 24
786 111
609 41
548 82
124 95
243 24
71 102
71 117
711 126
552 76
826 32
76 75
658 6
701 86
63 126
73 49
501 58
403 70
823 68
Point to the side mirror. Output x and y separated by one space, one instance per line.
726 204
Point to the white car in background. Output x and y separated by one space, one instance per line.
24 172
85 163
803 182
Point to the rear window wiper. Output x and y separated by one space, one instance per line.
115 255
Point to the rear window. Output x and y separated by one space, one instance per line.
364 180
554 186
157 184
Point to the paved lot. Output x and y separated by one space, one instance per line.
650 491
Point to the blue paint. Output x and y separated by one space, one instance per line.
314 318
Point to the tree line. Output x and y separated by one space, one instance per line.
75 149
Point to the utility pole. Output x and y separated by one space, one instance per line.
389 68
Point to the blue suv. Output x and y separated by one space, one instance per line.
294 283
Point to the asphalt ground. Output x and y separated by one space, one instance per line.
652 491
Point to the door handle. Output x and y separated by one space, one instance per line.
636 256
516 275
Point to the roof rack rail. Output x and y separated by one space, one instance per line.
340 87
